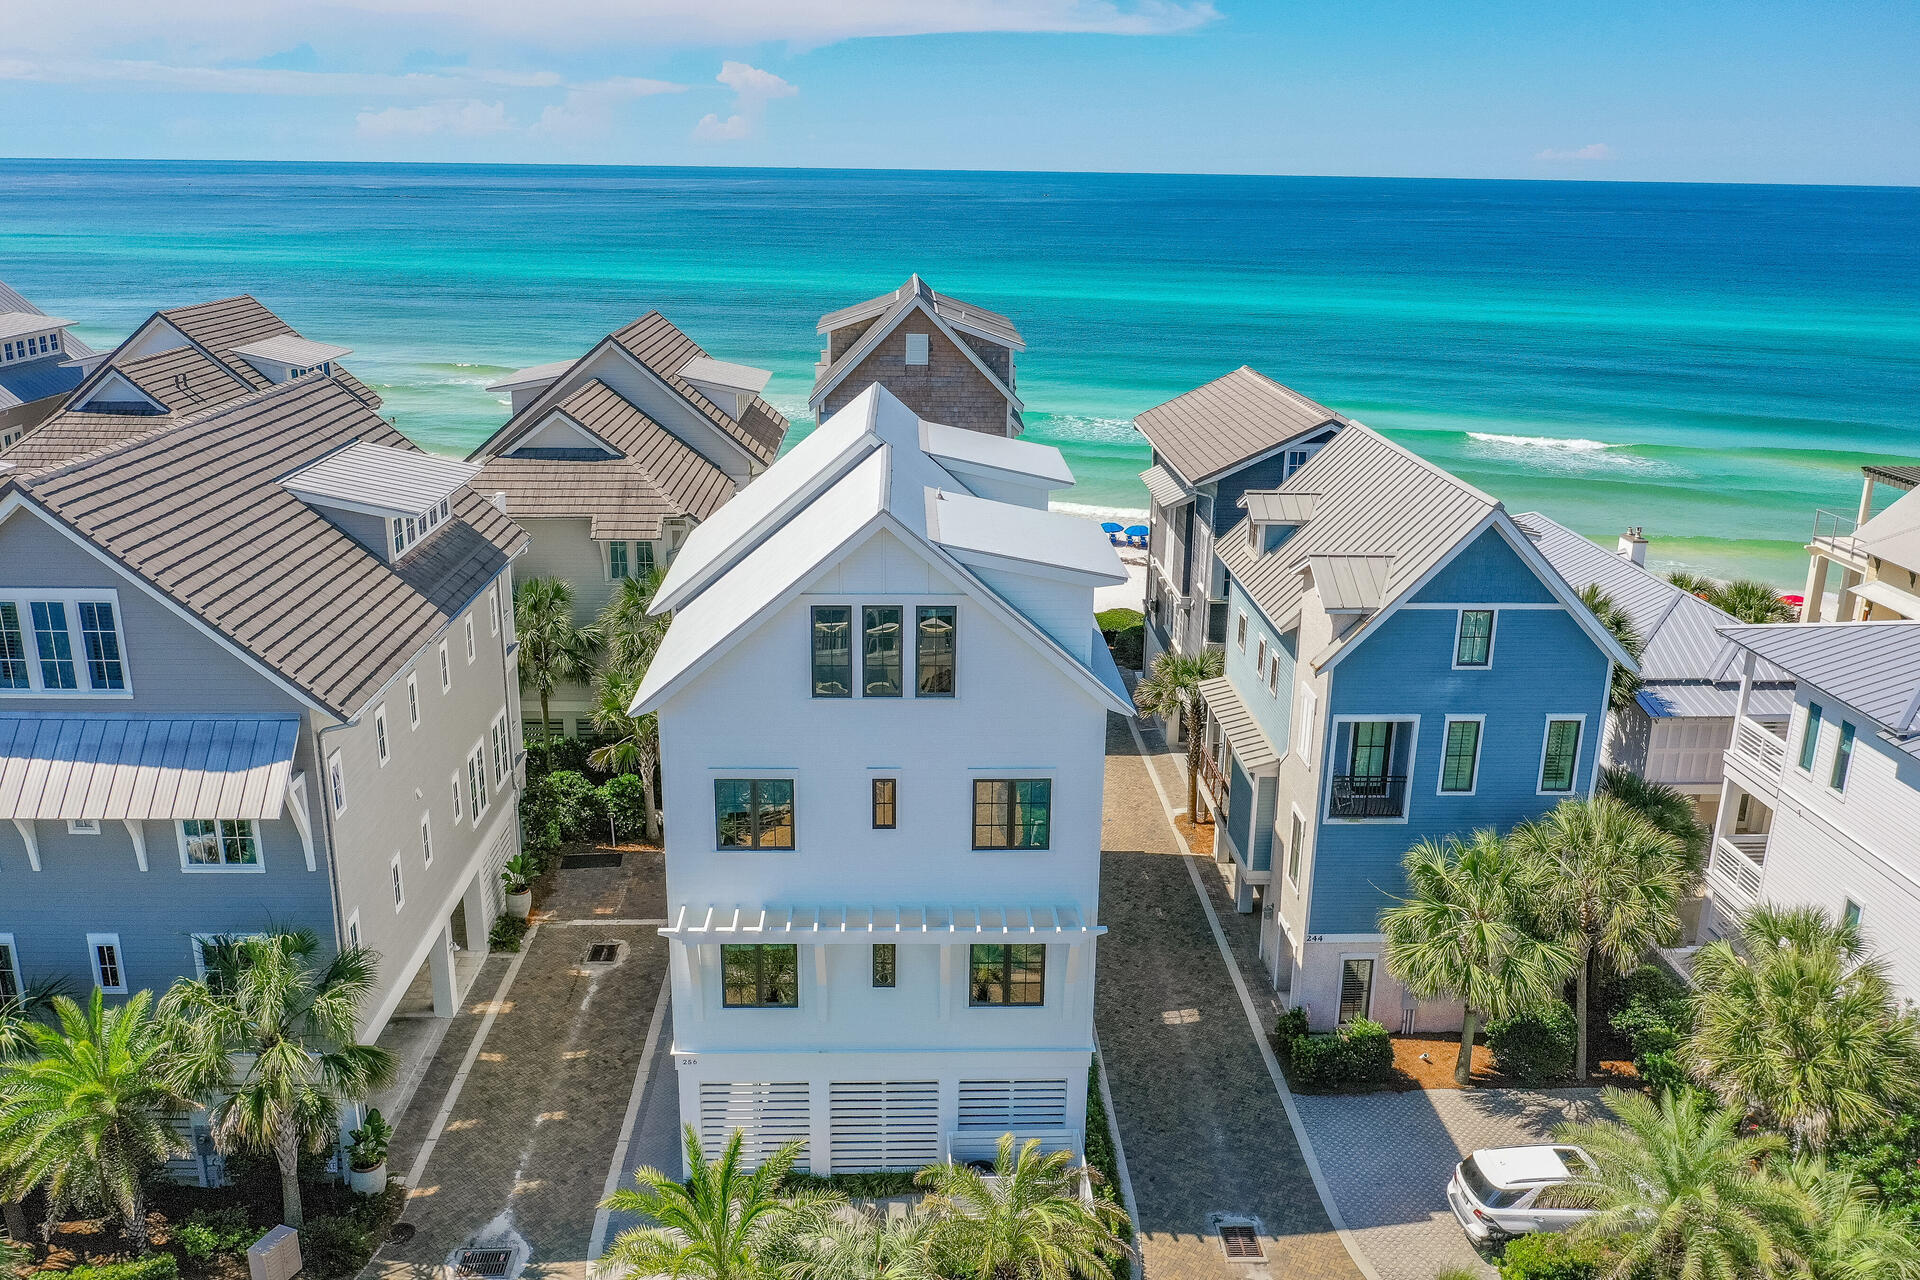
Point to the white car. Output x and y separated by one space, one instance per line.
1511 1191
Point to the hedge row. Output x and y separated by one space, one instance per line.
1360 1053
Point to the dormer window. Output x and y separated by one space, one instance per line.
287 356
28 335
389 499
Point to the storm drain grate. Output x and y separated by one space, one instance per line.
603 953
491 1264
1241 1244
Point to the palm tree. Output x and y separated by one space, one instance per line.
721 1224
1465 932
267 1040
1608 881
630 633
1797 1023
553 650
1666 808
1615 619
833 1241
1172 690
1682 1194
1850 1234
631 743
13 1260
88 1116
1025 1221
1751 600
1694 584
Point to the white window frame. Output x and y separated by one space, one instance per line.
94 942
353 928
446 669
198 940
1273 678
1260 658
459 799
382 744
1493 636
1299 816
397 881
919 344
83 826
502 745
413 699
1479 743
12 950
1240 633
23 599
479 798
337 782
1410 721
472 650
1303 731
259 864
426 838
1580 743
493 610
1373 982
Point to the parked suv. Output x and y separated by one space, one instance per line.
1511 1191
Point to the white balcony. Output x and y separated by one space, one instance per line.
1833 537
1735 865
1759 753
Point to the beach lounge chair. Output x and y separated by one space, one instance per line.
1112 531
1137 535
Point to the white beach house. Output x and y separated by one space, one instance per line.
882 706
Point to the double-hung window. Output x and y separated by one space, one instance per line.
934 650
54 645
642 559
380 734
616 560
1010 974
214 844
337 783
472 651
10 983
832 651
76 645
1012 813
1473 644
501 761
413 700
1842 758
1299 835
1460 758
109 973
1810 736
13 649
753 813
1240 633
104 668
1560 757
399 884
493 611
880 656
885 798
760 976
477 780
426 839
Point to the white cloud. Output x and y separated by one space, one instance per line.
587 111
272 81
752 90
470 118
1592 151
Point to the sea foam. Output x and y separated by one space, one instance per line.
1575 445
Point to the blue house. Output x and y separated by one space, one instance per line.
1401 663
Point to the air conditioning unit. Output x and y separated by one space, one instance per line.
275 1255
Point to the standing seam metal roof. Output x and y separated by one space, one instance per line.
1226 422
118 767
1871 666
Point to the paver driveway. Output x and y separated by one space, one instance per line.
1387 1158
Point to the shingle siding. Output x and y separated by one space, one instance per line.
947 389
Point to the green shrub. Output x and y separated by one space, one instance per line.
1104 1158
578 805
624 797
207 1232
1535 1047
1125 633
1360 1053
506 933
864 1186
159 1266
1661 1071
1290 1024
1888 1160
544 758
539 817
1547 1256
331 1248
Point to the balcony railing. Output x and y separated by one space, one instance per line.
1760 749
1736 862
1369 796
1215 783
1833 532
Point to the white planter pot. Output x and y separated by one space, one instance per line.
519 905
368 1182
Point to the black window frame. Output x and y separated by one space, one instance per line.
885 966
995 977
922 614
886 803
815 649
1008 822
754 810
872 620
761 953
1486 641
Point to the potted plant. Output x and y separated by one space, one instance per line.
367 1154
518 878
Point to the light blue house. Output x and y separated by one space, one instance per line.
1401 663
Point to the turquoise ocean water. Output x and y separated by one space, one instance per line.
1709 362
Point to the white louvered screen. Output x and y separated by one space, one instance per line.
885 1124
770 1115
1013 1106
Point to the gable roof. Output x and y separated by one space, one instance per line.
1396 518
187 380
1873 667
657 475
892 308
196 512
867 473
1894 534
24 381
1229 422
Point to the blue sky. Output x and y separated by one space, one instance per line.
1696 91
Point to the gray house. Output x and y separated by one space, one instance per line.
257 670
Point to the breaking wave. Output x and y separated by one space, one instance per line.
1543 442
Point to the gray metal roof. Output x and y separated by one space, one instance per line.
401 480
1229 422
1711 700
1250 744
538 375
966 525
1907 476
28 380
996 453
1350 584
292 349
1273 506
134 767
1678 630
15 323
1871 666
1165 489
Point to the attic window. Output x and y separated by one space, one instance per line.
916 348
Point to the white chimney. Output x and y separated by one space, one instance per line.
1633 547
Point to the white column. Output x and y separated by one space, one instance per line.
440 961
1816 588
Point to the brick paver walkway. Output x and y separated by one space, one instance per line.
1387 1157
528 1143
1205 1133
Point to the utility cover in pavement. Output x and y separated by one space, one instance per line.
1242 1244
492 1264
603 953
